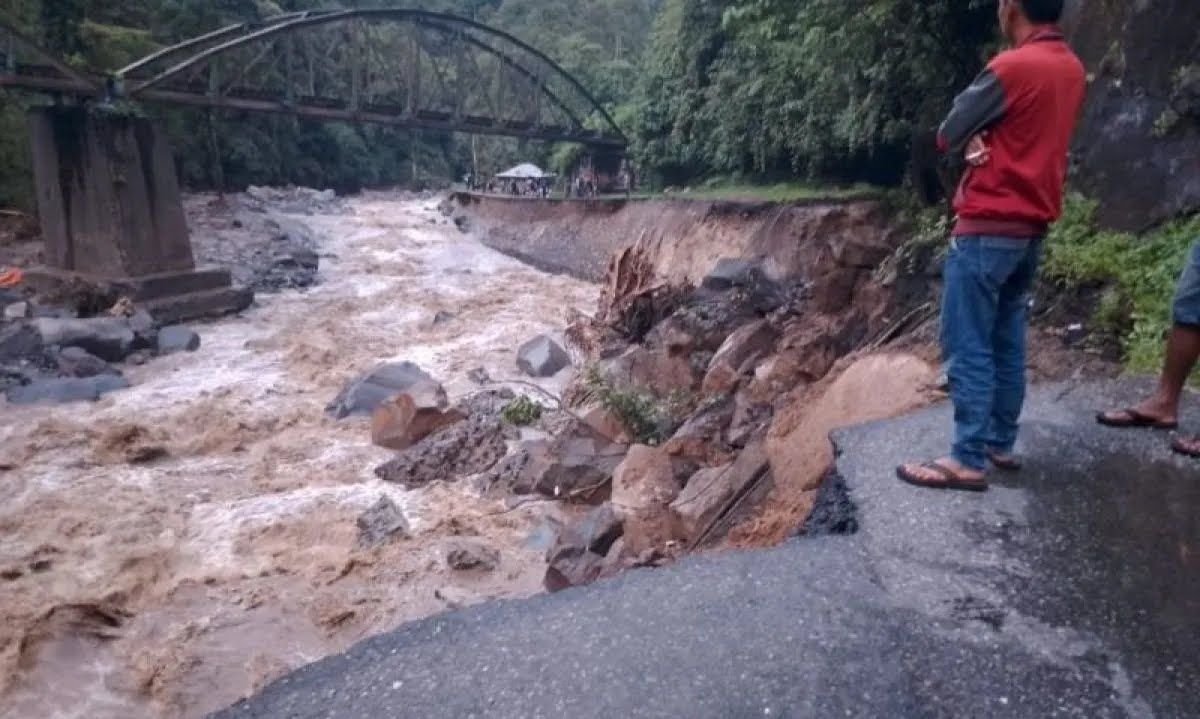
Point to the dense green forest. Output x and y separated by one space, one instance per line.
824 88
758 89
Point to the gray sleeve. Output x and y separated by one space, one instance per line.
976 108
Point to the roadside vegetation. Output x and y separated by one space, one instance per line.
649 419
522 412
1136 272
722 188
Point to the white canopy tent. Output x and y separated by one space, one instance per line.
526 171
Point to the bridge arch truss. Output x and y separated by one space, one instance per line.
401 67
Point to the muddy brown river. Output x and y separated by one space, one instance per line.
174 587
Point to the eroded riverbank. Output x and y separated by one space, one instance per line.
174 587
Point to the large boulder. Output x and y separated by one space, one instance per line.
572 566
63 390
542 357
20 341
469 447
654 369
364 394
701 438
408 418
517 472
177 339
644 485
380 523
712 492
578 554
729 273
109 338
472 557
604 422
738 356
18 311
573 466
78 362
703 323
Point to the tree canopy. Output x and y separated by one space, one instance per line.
813 87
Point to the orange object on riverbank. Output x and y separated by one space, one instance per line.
11 277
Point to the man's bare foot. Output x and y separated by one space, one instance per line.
1007 461
945 473
1187 446
1152 413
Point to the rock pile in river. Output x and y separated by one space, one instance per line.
53 358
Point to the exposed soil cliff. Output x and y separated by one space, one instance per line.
686 239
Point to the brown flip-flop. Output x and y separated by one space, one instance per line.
1134 420
951 480
1006 463
1185 447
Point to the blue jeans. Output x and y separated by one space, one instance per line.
984 320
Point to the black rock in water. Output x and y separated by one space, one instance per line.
78 362
542 357
177 339
468 557
66 389
364 394
109 338
380 523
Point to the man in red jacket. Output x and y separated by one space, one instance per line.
1014 124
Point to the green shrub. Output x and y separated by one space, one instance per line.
649 419
1140 272
522 411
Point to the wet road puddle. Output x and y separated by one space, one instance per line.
1114 543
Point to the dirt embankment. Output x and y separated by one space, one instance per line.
687 237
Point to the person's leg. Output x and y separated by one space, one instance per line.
1009 342
973 277
1183 351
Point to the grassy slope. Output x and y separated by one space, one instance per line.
1139 273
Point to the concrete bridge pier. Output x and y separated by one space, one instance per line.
111 214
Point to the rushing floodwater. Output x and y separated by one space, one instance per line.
174 588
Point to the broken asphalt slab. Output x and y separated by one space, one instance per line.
1071 589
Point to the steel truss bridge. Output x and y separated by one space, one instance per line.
399 67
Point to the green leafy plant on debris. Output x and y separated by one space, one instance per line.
522 412
648 418
1139 271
